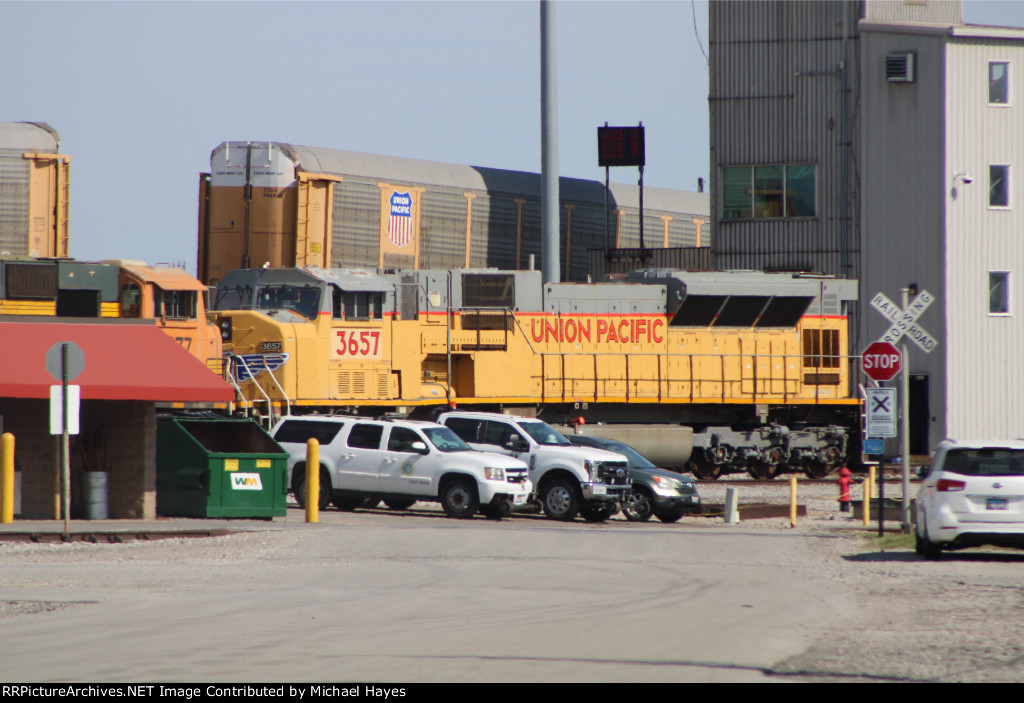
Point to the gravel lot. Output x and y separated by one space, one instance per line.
893 616
905 619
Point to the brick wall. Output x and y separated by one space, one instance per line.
128 430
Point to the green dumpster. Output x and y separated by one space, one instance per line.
218 468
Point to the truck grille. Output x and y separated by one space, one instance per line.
515 475
615 473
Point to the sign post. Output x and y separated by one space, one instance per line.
903 325
622 146
64 361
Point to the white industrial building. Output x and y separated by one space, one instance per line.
884 141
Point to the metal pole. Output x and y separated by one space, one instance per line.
549 144
65 446
905 430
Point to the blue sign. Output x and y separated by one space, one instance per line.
874 446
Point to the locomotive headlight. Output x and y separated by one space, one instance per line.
225 329
494 474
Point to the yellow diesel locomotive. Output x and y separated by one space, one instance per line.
171 298
753 362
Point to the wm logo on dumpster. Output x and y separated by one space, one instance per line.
246 482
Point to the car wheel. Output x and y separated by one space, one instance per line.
670 516
299 486
399 503
459 498
347 503
597 512
931 551
561 500
639 506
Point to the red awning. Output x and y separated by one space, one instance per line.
122 362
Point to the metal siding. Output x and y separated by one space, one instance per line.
443 229
14 205
777 98
986 378
356 218
939 11
355 227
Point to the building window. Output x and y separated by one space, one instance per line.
998 186
998 83
768 191
998 292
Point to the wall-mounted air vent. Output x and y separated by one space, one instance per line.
899 68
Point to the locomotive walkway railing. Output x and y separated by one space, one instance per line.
658 376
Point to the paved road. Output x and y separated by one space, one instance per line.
380 596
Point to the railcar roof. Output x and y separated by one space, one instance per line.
334 162
29 136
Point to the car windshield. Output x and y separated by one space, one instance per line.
543 433
636 459
445 440
304 300
985 462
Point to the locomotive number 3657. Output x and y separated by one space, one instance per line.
364 344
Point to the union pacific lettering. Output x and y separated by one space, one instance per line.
606 330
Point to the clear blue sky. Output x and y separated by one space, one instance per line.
142 92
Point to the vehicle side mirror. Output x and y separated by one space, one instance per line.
420 447
515 443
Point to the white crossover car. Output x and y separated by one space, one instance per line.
973 495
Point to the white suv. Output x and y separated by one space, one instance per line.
972 495
401 462
570 480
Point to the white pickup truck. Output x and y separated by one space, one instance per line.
570 480
400 462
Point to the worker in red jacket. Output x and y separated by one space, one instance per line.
845 480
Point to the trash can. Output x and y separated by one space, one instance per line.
219 468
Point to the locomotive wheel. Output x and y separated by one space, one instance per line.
762 470
704 469
817 469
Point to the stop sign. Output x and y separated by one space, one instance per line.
881 361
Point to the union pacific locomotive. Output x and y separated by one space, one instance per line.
61 287
754 362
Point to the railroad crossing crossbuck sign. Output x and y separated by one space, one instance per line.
904 322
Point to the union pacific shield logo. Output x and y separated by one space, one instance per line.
400 219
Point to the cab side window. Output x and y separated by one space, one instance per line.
467 430
499 433
131 300
301 431
402 439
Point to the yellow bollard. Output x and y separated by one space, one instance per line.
6 478
792 501
312 480
869 493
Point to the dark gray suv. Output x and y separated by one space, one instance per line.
664 494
